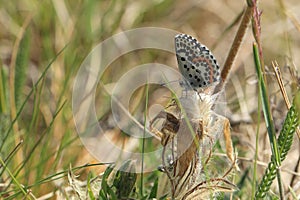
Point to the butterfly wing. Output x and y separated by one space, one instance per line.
195 62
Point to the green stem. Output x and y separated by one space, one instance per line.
256 149
143 140
266 106
268 116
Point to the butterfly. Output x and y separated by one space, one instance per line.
196 63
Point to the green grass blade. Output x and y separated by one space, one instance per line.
89 189
6 134
125 179
21 188
22 61
32 150
256 149
284 144
106 190
3 100
266 106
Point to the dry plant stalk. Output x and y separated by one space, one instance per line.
282 89
189 130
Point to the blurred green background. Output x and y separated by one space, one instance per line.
36 83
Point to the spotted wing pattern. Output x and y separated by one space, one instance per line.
195 62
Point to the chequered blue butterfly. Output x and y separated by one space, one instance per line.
195 62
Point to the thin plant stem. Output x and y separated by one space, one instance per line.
280 83
267 115
282 89
143 139
13 177
256 27
266 106
12 152
256 149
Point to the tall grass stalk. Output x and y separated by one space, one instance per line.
285 140
268 116
254 177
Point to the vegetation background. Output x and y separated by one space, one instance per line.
38 138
